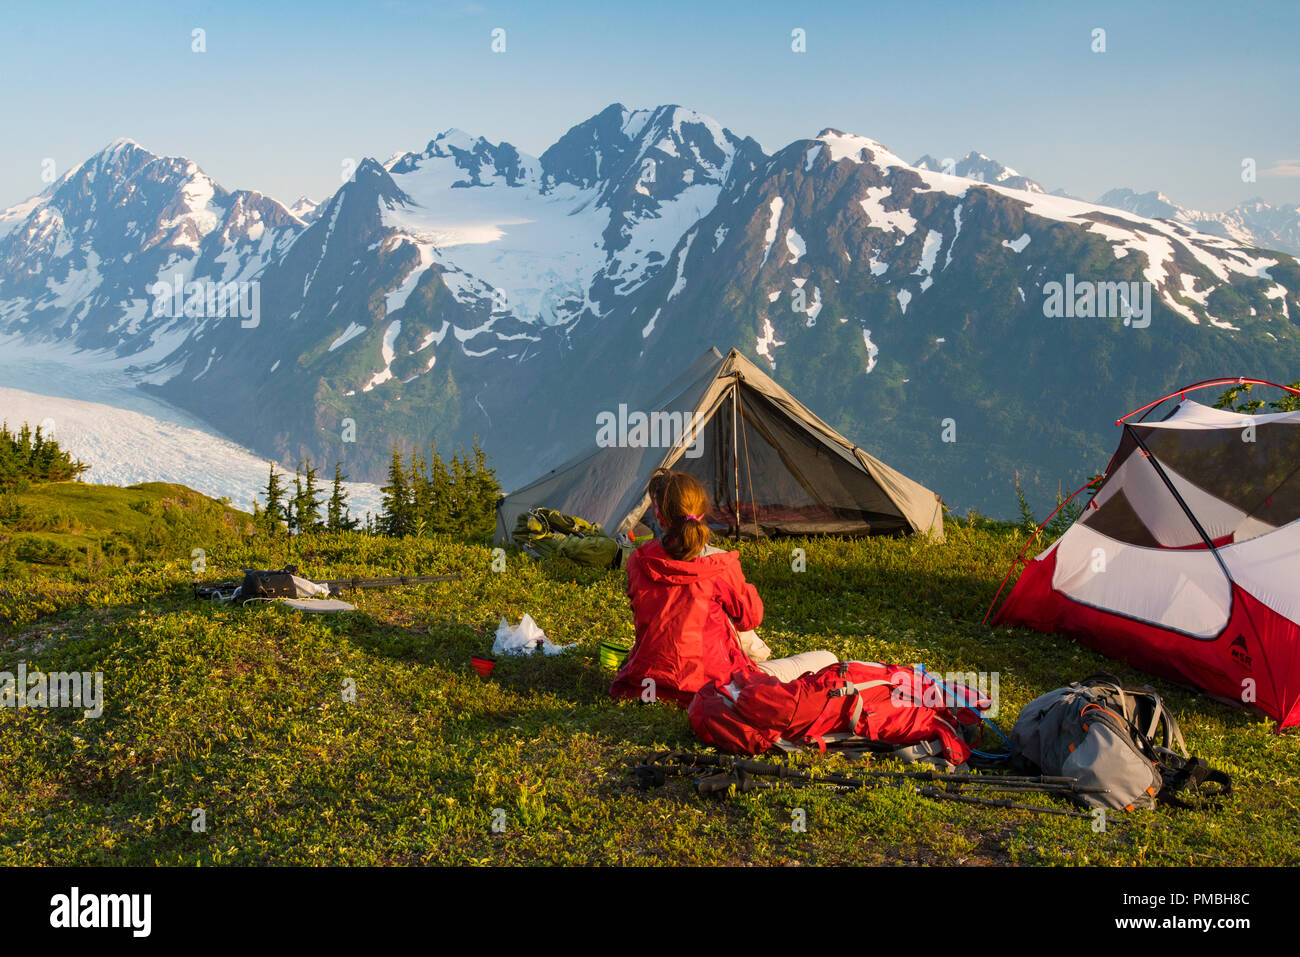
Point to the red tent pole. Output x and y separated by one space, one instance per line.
1207 384
1020 557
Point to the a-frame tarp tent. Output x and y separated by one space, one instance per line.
770 466
1186 562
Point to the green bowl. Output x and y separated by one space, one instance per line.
612 655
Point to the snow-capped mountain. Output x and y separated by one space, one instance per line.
593 218
80 262
304 208
468 290
1254 222
979 167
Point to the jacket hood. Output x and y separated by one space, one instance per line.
660 566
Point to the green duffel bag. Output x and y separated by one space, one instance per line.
544 532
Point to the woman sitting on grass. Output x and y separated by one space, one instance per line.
694 612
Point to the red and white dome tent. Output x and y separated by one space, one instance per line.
1186 562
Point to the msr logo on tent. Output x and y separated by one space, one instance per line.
1239 652
639 430
75 910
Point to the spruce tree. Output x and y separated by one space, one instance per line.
422 513
306 499
396 503
33 456
274 513
442 502
337 516
486 493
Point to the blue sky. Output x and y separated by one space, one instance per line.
286 91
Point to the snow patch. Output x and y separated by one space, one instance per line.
928 254
872 350
774 220
766 342
680 282
894 220
956 217
351 332
396 299
1017 245
815 307
386 350
650 326
798 248
848 146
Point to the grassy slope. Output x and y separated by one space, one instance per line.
87 526
239 712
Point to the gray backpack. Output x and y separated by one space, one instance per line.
1110 736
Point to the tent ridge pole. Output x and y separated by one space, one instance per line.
735 449
1200 530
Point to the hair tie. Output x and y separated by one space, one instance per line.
693 518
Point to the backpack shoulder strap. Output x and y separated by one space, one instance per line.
1172 734
1191 776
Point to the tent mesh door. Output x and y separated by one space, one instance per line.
1237 488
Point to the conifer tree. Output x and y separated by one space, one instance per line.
274 514
33 456
396 503
337 516
306 499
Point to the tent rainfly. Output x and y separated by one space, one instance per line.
770 466
1185 562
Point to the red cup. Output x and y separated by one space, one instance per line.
483 666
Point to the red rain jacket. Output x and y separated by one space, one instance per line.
684 640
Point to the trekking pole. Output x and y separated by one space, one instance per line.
993 802
719 784
995 781
1006 783
1002 782
740 774
714 784
340 583
1035 788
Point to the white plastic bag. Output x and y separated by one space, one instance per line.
523 639
310 589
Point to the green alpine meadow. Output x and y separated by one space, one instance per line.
453 450
258 734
